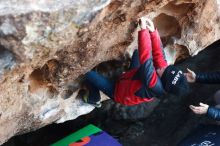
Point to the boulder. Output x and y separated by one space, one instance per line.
47 45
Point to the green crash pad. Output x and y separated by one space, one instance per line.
88 136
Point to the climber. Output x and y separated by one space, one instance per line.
204 77
149 75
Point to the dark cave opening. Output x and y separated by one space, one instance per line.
170 122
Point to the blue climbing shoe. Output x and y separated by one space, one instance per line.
85 97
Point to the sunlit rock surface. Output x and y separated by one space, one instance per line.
49 44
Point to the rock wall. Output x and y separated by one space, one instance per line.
49 44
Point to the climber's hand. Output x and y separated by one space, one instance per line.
142 23
146 23
201 109
190 76
150 25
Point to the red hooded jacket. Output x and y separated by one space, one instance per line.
142 84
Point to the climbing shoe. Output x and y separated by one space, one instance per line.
85 97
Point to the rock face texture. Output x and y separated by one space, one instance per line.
46 45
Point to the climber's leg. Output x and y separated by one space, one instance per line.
98 82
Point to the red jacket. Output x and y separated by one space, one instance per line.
142 84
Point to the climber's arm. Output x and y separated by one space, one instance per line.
159 58
147 72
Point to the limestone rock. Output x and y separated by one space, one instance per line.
49 44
